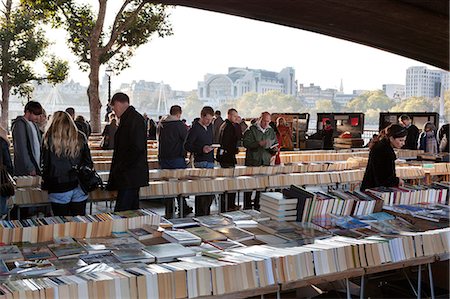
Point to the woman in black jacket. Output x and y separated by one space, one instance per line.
6 160
64 148
380 169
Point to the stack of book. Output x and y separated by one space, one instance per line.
89 226
411 194
182 237
278 207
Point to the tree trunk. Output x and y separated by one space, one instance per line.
5 102
6 87
95 105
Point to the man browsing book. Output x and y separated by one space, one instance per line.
199 142
226 154
260 141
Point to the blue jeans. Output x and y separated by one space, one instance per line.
3 205
203 202
204 164
74 195
177 163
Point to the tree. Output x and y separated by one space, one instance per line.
192 107
22 42
324 106
252 104
414 104
134 24
371 100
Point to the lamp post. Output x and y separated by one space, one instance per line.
109 73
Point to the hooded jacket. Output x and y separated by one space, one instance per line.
171 136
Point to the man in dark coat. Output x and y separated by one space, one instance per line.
129 167
217 123
226 154
413 132
171 134
199 142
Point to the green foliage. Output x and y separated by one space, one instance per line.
192 107
324 106
23 42
415 104
252 104
370 100
134 25
57 69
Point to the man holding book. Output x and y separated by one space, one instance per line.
261 144
199 142
226 154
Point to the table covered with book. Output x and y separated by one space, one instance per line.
138 254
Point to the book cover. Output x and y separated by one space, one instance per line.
273 227
206 233
236 234
237 215
182 222
66 250
181 236
214 221
140 233
348 222
133 255
169 252
10 253
38 252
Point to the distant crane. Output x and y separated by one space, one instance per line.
162 101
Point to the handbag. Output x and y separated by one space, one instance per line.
7 184
88 178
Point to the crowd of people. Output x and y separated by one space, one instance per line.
54 147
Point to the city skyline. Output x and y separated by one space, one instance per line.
207 42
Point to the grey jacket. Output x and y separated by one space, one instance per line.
24 161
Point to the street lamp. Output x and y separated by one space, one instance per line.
109 73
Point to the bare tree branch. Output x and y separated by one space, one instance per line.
116 31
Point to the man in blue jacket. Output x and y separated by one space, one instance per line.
199 142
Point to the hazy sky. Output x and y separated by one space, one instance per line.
206 42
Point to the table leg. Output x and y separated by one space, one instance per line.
349 296
430 275
361 291
419 282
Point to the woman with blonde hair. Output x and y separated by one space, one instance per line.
64 148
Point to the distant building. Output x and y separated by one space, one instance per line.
238 81
343 98
312 93
394 91
423 82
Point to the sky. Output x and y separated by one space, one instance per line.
206 42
